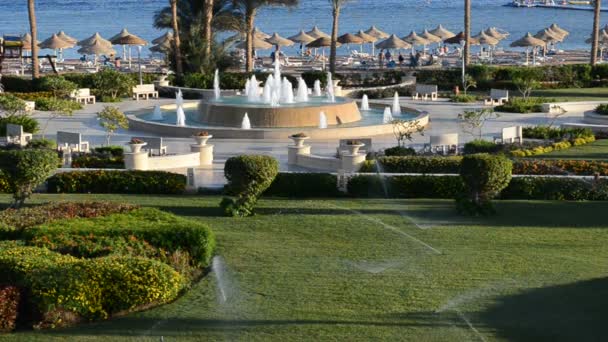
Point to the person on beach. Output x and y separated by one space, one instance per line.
381 59
388 56
401 59
412 61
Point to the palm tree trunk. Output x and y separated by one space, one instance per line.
250 19
179 69
334 39
467 31
596 32
207 34
31 7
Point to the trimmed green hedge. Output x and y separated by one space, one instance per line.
556 189
414 164
124 182
303 185
9 302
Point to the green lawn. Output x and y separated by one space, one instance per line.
597 150
349 270
573 94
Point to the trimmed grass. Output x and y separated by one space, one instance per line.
597 150
573 94
354 270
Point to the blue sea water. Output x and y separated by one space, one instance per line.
81 18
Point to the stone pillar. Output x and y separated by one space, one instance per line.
352 162
206 153
294 151
136 161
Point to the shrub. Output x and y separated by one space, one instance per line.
415 164
399 151
51 104
482 146
114 151
9 303
17 84
484 177
33 96
248 177
13 222
61 286
57 85
25 170
112 83
29 124
602 109
98 161
42 143
520 105
311 76
111 119
303 185
556 189
126 233
555 133
405 186
124 182
11 105
198 80
461 98
557 146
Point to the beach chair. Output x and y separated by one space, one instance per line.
144 91
497 97
153 144
73 141
15 135
83 96
510 135
444 144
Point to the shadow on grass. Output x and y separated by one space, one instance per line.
571 312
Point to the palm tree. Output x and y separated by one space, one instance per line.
467 31
248 10
596 31
207 33
31 7
176 40
336 7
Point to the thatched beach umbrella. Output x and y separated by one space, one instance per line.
278 41
67 38
414 39
96 38
373 31
56 43
322 42
301 38
558 30
393 42
549 36
602 40
496 34
367 38
132 40
458 38
529 41
442 33
430 37
26 40
168 36
258 44
97 47
316 33
349 38
258 33
483 39
162 47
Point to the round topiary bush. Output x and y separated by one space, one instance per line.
484 177
25 169
248 177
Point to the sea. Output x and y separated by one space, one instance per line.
81 18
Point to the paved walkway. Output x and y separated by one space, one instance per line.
443 120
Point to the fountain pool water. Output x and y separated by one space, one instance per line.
364 102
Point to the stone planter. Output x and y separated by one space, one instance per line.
299 141
201 140
136 148
354 149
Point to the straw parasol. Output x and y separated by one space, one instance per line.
529 41
322 43
430 37
258 33
302 38
483 39
67 38
349 38
549 36
162 47
414 39
367 38
277 40
122 33
168 36
97 47
393 42
26 40
558 29
496 34
603 38
95 38
458 38
129 39
258 44
316 33
442 33
54 43
373 31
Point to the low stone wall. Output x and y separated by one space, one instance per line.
201 156
582 106
301 156
191 93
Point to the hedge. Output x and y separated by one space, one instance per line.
560 167
145 230
449 187
60 286
303 185
555 133
9 303
414 164
124 182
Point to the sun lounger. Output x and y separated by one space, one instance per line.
83 95
444 144
510 135
15 135
423 91
497 97
73 141
144 91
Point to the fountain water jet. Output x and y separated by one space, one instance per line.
317 88
217 266
179 98
216 85
246 124
302 94
286 91
322 120
254 90
387 116
247 88
330 88
267 94
181 117
364 102
396 105
157 115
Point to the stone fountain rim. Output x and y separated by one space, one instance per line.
346 100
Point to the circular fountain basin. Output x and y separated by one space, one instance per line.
229 112
370 124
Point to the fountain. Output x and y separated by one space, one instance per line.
181 116
317 88
216 86
302 93
322 120
246 124
157 115
396 105
330 88
387 116
247 87
179 98
253 94
286 91
364 102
